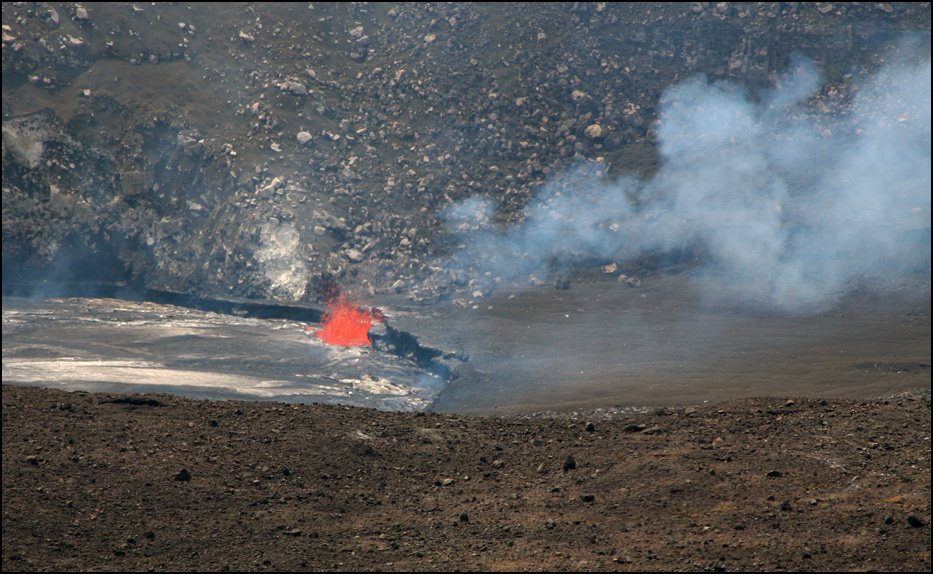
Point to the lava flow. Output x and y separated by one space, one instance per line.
346 323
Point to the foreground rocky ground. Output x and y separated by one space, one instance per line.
135 482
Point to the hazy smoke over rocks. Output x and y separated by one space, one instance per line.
280 255
785 202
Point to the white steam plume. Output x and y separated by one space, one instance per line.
786 205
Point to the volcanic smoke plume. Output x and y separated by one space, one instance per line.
785 201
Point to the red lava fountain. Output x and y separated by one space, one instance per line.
347 324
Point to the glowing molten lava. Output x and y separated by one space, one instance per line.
346 323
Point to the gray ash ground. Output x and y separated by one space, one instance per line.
601 345
594 345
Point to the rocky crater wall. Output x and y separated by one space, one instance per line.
246 149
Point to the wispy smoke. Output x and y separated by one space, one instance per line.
785 202
281 259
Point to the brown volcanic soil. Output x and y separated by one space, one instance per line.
135 482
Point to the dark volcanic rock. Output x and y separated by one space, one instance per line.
144 143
